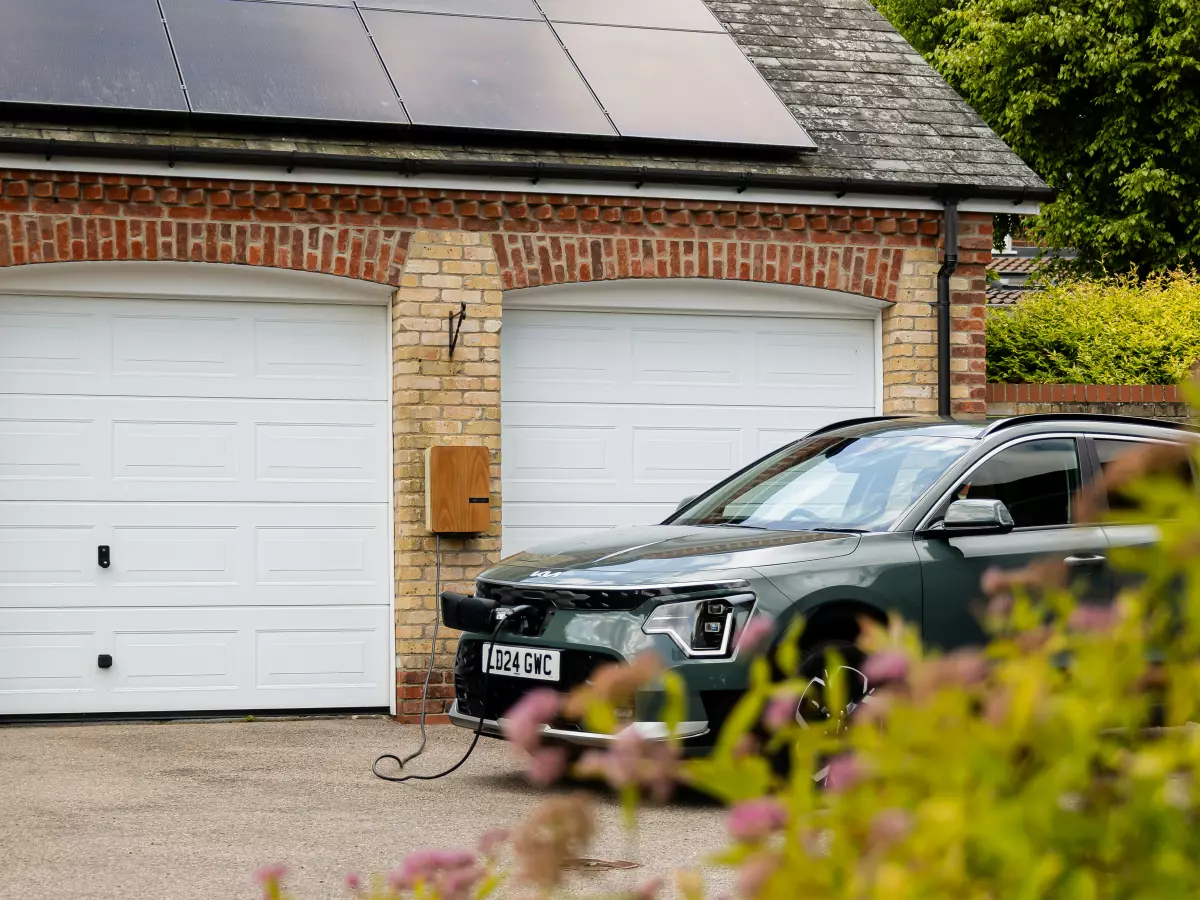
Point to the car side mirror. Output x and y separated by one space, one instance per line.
973 517
686 501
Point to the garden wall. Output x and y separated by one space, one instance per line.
1151 401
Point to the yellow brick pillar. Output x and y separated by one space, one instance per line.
439 399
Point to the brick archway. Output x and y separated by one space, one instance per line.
805 254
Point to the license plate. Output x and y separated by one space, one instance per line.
521 662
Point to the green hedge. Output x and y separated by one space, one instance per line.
1114 331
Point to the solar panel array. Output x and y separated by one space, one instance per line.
650 69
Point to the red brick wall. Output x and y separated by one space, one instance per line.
1151 401
360 232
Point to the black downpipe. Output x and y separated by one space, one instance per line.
949 265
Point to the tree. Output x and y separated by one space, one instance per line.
1100 97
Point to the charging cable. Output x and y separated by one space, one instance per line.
514 616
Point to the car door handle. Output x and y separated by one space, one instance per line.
1086 559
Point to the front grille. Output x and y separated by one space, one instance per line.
502 690
596 599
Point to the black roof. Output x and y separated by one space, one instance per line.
881 117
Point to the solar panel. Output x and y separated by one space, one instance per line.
682 85
87 53
280 60
496 9
689 15
500 74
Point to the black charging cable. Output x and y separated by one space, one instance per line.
514 616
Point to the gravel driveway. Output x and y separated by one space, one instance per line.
189 809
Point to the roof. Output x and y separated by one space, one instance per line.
1016 265
880 115
1002 295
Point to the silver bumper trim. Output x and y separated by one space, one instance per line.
653 731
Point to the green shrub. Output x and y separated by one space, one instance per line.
1117 331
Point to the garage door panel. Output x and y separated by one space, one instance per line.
672 357
37 341
163 348
135 449
194 554
610 418
174 658
550 454
44 449
36 662
46 553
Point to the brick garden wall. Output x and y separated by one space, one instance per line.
1151 401
441 248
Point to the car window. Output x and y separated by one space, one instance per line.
1108 450
1036 480
830 481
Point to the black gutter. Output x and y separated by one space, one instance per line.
949 265
532 171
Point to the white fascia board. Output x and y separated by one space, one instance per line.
502 185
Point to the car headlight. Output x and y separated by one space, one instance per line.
702 627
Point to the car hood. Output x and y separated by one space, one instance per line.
659 553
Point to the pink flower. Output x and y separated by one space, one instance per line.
1092 617
889 826
631 759
756 872
756 631
353 882
756 820
546 765
844 772
648 890
491 842
433 867
523 722
888 666
270 874
781 710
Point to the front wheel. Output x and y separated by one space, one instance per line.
819 669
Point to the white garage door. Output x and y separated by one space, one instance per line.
234 458
611 418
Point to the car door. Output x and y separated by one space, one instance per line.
1106 449
1037 479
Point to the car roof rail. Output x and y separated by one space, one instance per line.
846 423
1014 421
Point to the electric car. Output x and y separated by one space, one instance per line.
861 518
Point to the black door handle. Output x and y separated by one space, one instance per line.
103 556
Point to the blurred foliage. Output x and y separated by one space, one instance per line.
1100 97
1110 331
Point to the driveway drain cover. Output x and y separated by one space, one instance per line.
589 864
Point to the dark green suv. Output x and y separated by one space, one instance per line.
857 519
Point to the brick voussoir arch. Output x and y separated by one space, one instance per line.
531 260
364 253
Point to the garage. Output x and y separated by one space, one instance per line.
196 509
618 400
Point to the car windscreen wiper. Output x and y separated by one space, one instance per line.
839 530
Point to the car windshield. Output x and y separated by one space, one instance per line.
830 483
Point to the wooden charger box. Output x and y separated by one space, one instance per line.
457 497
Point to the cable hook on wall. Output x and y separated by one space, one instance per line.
454 327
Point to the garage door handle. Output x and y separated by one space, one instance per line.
1085 559
103 556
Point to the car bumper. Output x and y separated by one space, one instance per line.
652 731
